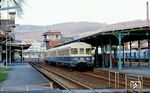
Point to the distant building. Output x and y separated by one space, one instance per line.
134 45
52 38
36 50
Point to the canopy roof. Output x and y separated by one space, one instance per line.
105 37
19 46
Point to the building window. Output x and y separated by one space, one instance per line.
57 36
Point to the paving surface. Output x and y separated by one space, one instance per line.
23 77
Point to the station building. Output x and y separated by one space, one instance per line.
7 36
8 44
52 38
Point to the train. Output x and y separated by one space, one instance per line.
79 55
74 55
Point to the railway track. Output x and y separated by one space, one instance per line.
64 81
87 80
104 75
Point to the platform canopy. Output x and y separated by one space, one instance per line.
105 36
19 46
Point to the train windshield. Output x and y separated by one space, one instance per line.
88 51
74 51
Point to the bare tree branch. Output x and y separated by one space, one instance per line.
17 3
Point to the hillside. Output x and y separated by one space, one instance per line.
67 29
71 29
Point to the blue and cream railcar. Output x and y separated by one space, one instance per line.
76 54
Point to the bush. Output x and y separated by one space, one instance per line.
4 69
3 76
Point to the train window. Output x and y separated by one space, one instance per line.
88 51
74 51
81 50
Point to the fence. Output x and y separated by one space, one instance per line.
134 83
115 78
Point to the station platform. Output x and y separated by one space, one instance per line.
142 70
23 77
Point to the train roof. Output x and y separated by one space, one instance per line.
72 45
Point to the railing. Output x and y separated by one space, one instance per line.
116 78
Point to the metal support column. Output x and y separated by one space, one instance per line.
130 53
6 51
110 58
10 55
106 56
103 56
102 51
139 49
96 55
123 55
149 53
119 36
120 63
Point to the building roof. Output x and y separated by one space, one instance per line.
19 46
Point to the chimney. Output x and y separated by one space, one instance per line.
147 8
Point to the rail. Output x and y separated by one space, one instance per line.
67 78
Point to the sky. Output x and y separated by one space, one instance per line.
48 12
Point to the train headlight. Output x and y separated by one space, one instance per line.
75 58
81 58
87 58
